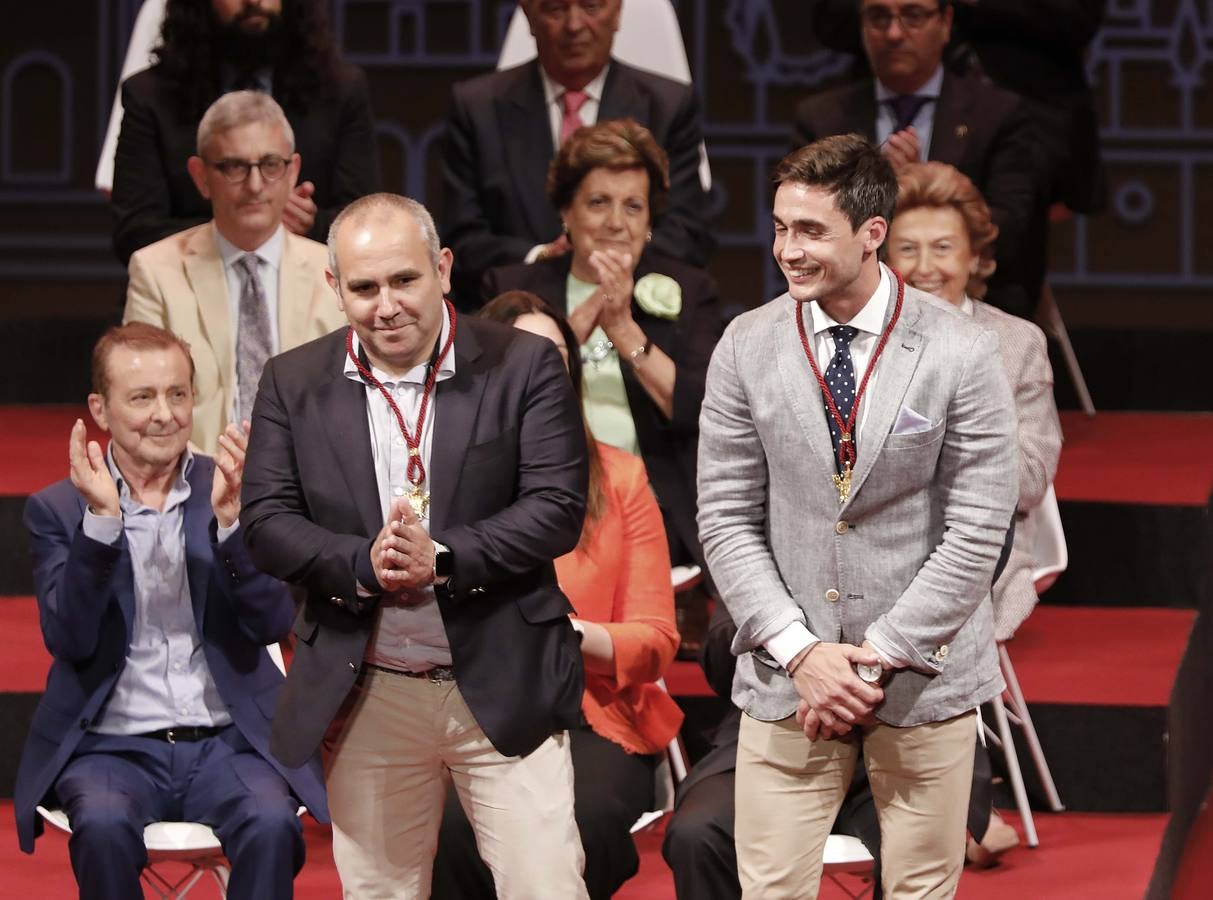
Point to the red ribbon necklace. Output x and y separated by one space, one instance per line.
846 446
415 472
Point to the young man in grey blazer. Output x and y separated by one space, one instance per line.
857 472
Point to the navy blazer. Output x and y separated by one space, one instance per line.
496 153
509 472
86 605
669 447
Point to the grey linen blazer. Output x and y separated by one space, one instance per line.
1026 360
910 555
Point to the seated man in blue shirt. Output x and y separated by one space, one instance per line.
158 701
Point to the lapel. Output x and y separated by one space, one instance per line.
620 99
801 389
296 288
526 136
950 131
204 272
455 412
341 403
199 559
896 368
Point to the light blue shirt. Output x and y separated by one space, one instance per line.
166 681
924 122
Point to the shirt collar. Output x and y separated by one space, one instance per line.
966 306
930 89
870 319
415 375
553 91
180 484
270 252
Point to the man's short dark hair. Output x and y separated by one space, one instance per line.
851 168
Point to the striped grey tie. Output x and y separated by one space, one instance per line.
253 337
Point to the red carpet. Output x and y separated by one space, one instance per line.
1081 857
1156 458
1067 654
1153 458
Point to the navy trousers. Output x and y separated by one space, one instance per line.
115 785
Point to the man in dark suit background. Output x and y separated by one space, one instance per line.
210 47
919 110
417 473
504 127
159 697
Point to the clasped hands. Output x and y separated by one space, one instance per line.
402 553
833 699
610 306
91 475
902 148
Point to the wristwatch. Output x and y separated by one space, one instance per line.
869 674
444 563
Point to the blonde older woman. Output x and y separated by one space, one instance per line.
942 242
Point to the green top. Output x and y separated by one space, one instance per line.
605 399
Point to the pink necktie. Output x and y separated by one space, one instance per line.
573 101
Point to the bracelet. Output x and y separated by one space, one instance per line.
641 353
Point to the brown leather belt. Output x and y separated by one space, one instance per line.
437 674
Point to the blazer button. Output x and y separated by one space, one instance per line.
832 595
83 724
841 528
943 651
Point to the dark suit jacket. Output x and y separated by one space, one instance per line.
509 480
989 135
154 197
86 603
1036 48
498 147
669 446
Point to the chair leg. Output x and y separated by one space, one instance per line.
1020 708
864 891
221 874
1007 740
1050 316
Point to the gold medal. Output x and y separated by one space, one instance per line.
843 483
420 501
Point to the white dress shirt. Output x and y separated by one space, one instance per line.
409 633
870 321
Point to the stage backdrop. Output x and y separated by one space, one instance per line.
751 59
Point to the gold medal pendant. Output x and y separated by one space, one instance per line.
843 483
420 501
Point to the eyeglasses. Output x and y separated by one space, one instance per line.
911 18
236 171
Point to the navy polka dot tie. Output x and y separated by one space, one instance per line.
840 379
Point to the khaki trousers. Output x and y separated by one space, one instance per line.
789 790
387 768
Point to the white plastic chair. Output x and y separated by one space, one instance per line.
1048 315
191 843
649 38
1051 557
846 855
144 37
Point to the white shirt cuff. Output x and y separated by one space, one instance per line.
533 253
102 529
888 657
224 532
789 642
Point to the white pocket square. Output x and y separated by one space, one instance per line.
910 422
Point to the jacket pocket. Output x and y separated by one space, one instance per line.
545 604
